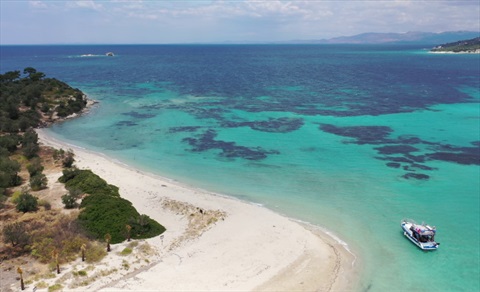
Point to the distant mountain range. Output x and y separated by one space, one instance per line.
413 37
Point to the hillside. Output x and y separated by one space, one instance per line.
50 211
464 46
412 37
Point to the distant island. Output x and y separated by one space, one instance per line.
409 38
464 46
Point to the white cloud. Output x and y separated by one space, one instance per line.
235 20
85 4
37 4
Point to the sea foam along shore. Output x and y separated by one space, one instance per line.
249 248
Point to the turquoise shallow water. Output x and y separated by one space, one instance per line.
351 138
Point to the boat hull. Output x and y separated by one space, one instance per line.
430 245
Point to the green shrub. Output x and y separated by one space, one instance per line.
35 167
38 182
104 211
16 197
70 199
126 251
87 182
55 287
42 249
68 160
27 203
71 247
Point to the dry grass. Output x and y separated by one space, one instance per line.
199 220
48 229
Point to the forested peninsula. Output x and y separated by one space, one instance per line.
50 222
464 46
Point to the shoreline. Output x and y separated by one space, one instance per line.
248 247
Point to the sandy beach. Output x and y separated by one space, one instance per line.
213 242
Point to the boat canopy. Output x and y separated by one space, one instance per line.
423 230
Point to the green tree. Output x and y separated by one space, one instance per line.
10 76
9 172
30 137
30 145
29 71
27 203
9 142
35 166
16 234
68 159
33 75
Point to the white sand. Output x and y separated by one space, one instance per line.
248 248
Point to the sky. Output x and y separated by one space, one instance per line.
198 21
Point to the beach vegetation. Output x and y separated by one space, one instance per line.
133 244
82 273
126 251
104 211
87 182
55 287
41 285
68 159
125 265
95 253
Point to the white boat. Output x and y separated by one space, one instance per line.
422 235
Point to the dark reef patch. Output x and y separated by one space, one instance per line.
466 158
138 115
126 124
363 134
280 125
394 164
206 141
396 149
419 176
401 147
189 129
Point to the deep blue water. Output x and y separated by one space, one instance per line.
351 138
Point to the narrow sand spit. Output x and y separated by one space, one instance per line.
214 242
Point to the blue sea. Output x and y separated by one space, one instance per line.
350 138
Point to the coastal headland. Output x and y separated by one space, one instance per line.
212 242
